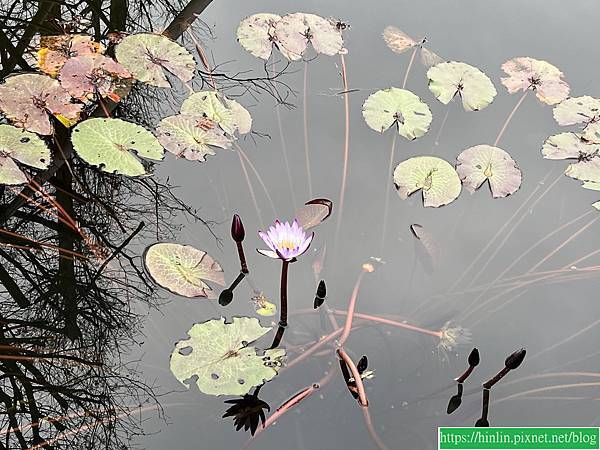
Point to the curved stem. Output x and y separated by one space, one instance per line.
346 146
510 116
362 396
283 297
305 118
350 312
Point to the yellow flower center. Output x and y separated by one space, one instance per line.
288 245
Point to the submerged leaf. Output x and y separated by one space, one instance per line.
108 143
436 178
448 79
85 76
22 146
184 136
427 250
227 113
397 106
182 269
256 34
218 354
527 73
574 110
484 162
147 56
28 99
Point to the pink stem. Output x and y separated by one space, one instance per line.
362 396
346 145
350 313
510 116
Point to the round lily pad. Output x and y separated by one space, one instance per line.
85 76
182 269
574 110
148 56
528 73
27 100
256 34
452 78
108 143
591 132
569 146
435 177
184 136
227 113
56 50
19 145
484 162
291 36
219 355
397 106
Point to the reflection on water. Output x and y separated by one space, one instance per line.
86 335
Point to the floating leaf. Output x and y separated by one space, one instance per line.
399 42
182 269
27 100
22 146
256 34
314 212
436 178
324 35
484 162
448 79
185 137
574 110
291 36
147 56
85 76
108 143
527 73
572 146
218 354
397 106
427 250
55 51
591 132
227 113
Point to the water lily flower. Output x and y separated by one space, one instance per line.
285 241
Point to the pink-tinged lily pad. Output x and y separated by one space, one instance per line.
574 110
540 76
291 36
29 99
324 35
573 146
182 269
18 145
148 56
257 34
86 76
55 51
314 212
427 251
399 42
188 137
484 162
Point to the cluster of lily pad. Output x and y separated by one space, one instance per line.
76 75
290 34
439 181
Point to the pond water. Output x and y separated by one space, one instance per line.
536 245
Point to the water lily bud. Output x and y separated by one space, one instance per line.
237 229
474 357
515 359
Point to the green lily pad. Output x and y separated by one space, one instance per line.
147 56
256 34
218 353
185 137
574 110
227 113
182 269
484 162
397 106
452 78
591 132
23 146
108 143
435 177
